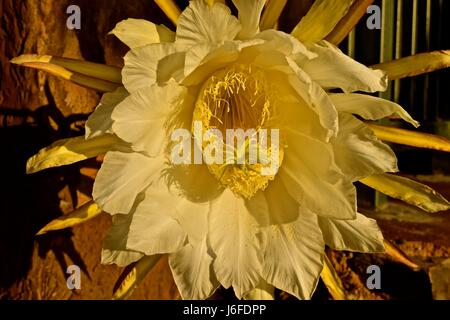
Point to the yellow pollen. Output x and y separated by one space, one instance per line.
238 98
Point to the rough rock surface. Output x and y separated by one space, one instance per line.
36 109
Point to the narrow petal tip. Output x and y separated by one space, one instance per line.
80 215
30 58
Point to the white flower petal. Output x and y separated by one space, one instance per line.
360 235
315 97
334 69
249 17
114 246
122 177
358 152
192 271
100 121
370 108
293 255
204 59
152 231
293 112
235 243
212 56
152 63
138 32
168 198
141 119
282 207
284 43
121 258
201 23
313 179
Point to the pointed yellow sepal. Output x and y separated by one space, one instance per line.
349 21
211 2
170 8
133 275
80 79
321 19
410 191
82 214
95 70
332 281
410 138
399 255
415 65
68 151
263 291
271 14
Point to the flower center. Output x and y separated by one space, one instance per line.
236 110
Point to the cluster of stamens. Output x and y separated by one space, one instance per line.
238 98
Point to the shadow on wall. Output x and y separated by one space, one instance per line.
97 23
28 202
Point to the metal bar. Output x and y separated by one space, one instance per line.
414 39
428 47
387 30
386 54
387 38
398 45
352 43
439 104
414 29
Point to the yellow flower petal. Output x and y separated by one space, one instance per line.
78 216
90 69
415 65
132 277
321 20
170 8
399 255
347 23
408 190
272 13
332 281
68 151
410 138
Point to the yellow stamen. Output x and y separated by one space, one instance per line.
238 98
